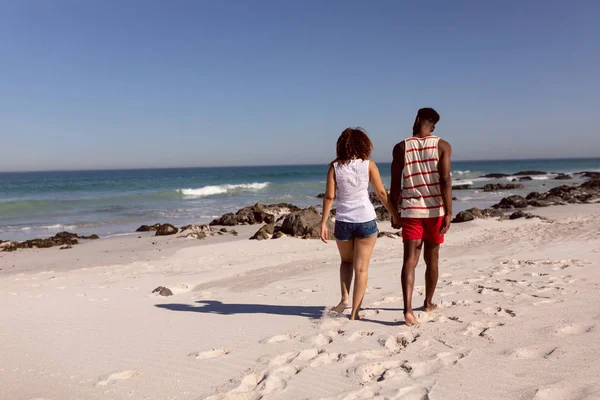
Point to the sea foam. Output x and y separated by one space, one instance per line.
223 189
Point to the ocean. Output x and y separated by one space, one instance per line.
108 203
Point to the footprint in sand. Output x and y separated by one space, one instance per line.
319 339
326 358
368 355
425 368
277 380
376 372
574 329
115 376
397 342
206 355
481 328
388 299
563 391
279 338
499 311
359 335
532 352
369 313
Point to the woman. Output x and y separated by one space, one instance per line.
356 222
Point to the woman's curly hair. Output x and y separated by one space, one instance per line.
352 144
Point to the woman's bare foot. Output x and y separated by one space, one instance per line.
340 307
410 319
354 317
429 307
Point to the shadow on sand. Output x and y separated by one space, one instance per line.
217 307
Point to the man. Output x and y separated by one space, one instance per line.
421 173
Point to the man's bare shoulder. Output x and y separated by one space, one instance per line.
444 145
399 149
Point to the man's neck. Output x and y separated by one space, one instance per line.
421 136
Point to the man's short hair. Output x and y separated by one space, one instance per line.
428 114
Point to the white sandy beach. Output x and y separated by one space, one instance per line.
518 318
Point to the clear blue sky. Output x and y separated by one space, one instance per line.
113 84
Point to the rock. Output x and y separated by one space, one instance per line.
195 235
533 195
148 228
476 213
563 177
591 175
382 214
454 198
461 187
163 291
91 237
525 178
278 235
463 216
390 235
166 230
256 214
305 223
523 173
9 246
514 201
224 230
195 229
518 214
65 247
495 176
494 187
593 184
233 232
321 196
264 233
60 239
374 199
540 203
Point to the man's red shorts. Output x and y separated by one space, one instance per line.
427 229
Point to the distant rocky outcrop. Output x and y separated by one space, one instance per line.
459 186
563 177
494 176
166 230
495 187
60 239
529 173
514 201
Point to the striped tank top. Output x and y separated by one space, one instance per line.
421 193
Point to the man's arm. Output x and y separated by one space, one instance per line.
444 168
397 170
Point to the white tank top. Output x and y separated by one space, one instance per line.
421 193
352 192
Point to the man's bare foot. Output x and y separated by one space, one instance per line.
410 319
429 307
340 307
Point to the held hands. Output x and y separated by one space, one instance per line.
396 221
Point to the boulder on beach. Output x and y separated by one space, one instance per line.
525 178
166 230
590 174
305 223
60 239
494 187
148 228
477 213
264 233
163 291
256 214
514 201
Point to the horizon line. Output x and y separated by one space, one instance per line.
271 165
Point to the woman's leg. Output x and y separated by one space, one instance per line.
363 248
346 249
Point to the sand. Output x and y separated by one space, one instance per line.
518 318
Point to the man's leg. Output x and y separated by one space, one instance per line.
412 252
431 256
346 249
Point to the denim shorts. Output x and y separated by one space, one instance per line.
345 231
